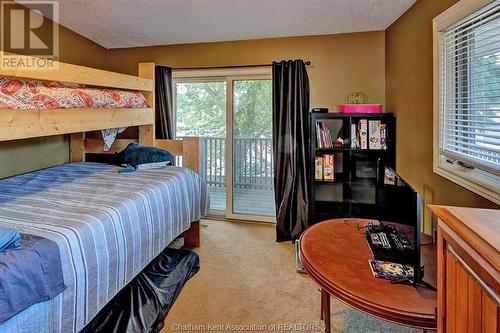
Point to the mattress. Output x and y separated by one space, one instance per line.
108 227
25 94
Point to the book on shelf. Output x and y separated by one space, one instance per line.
318 168
328 167
323 135
383 136
354 137
324 168
374 134
363 134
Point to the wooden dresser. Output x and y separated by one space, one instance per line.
468 269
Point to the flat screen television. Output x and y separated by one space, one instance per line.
400 205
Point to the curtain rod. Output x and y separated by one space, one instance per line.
233 66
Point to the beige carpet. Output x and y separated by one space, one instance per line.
248 283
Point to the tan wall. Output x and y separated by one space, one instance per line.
27 155
341 64
409 94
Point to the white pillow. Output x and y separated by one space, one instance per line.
154 165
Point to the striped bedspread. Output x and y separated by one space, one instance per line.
108 227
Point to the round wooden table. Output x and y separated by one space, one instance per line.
335 254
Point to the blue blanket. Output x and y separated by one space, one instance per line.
30 275
10 239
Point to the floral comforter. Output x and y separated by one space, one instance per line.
24 94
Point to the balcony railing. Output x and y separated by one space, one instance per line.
252 163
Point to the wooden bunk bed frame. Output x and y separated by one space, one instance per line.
78 122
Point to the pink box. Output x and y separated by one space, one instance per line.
360 108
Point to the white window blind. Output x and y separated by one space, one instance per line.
470 91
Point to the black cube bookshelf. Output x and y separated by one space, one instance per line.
357 172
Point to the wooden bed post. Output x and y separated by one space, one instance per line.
147 132
191 160
77 147
188 148
192 236
191 153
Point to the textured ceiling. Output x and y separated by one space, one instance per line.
128 23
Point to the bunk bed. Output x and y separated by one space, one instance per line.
107 226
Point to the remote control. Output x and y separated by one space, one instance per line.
375 239
384 240
397 242
406 244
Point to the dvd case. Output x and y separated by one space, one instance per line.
390 270
318 166
328 167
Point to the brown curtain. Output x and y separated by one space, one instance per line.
291 149
164 103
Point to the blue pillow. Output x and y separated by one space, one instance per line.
137 157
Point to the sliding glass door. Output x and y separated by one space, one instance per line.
252 192
233 117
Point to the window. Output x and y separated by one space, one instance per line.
467 96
